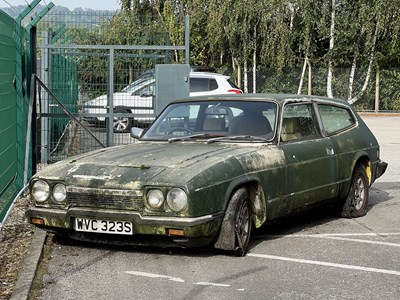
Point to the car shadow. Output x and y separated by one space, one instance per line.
295 223
155 250
305 221
300 222
379 192
271 230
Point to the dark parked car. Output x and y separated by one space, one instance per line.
211 168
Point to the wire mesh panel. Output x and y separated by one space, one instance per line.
8 114
99 69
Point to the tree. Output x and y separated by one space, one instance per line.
279 34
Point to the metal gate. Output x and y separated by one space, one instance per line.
89 96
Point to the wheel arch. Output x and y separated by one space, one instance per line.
366 162
257 197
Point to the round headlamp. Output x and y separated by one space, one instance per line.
40 191
155 198
59 192
177 199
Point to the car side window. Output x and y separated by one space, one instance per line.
335 118
202 84
146 91
299 123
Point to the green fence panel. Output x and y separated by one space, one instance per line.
64 84
8 114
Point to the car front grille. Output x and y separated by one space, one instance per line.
105 198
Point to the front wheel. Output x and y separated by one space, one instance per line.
243 226
356 203
236 227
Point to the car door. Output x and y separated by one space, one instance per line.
143 97
311 161
340 125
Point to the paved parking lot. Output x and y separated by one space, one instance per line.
311 256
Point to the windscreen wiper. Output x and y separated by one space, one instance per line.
198 135
238 138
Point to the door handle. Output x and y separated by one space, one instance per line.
330 151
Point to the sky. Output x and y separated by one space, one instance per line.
70 4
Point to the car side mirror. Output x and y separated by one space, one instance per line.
136 132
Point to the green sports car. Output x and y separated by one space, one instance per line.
209 169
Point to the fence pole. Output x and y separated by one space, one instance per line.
187 40
44 103
309 77
110 117
377 89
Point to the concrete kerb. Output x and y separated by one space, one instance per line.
378 114
27 274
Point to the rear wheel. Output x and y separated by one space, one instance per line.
122 124
356 203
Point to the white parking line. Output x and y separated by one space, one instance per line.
326 264
176 279
342 237
352 234
153 275
212 284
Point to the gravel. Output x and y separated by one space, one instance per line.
15 239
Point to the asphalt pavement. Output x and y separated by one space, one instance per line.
386 129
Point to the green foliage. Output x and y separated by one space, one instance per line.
390 92
280 33
285 81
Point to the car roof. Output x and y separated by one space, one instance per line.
150 77
279 98
207 74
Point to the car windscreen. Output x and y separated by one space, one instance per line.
208 119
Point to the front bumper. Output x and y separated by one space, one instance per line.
198 231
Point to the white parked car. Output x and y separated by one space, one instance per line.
137 98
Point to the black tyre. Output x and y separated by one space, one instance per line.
236 227
243 225
356 202
122 124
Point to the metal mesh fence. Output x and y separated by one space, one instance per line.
287 81
8 114
108 89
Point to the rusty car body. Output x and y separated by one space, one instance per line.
211 168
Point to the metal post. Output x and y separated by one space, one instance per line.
110 100
20 88
44 97
309 77
187 39
377 89
166 52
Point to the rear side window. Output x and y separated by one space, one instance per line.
335 118
203 84
299 123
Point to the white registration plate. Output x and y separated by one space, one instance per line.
103 226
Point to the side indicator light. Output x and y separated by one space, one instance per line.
178 232
37 221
